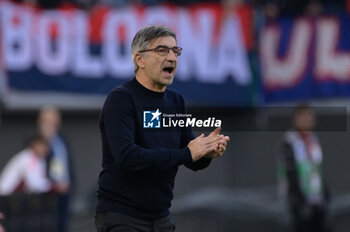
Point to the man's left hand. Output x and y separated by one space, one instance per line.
221 147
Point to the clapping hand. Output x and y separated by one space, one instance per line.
221 145
212 146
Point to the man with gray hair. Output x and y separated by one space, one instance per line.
140 158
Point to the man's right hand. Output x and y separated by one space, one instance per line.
202 145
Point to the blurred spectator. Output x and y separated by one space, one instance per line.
231 4
59 160
271 10
26 171
314 8
2 229
301 174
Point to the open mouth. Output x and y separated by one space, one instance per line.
168 69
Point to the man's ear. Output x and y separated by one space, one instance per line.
139 59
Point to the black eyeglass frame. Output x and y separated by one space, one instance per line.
177 50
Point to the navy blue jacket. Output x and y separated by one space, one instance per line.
139 164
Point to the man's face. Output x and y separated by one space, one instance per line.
41 149
161 69
304 120
49 123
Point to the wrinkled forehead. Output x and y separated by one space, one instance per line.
168 41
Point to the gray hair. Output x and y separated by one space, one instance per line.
145 37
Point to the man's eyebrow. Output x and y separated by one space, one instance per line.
161 45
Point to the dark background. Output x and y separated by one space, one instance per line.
236 193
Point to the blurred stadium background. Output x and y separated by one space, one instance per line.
252 53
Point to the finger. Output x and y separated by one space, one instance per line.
222 148
201 136
226 138
216 149
217 130
212 147
212 139
215 146
221 151
223 142
215 142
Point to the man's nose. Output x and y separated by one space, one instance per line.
171 56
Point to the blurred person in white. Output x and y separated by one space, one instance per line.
59 161
26 171
301 176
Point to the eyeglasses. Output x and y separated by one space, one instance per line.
164 50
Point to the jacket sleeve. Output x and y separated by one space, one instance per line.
12 175
119 123
186 137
